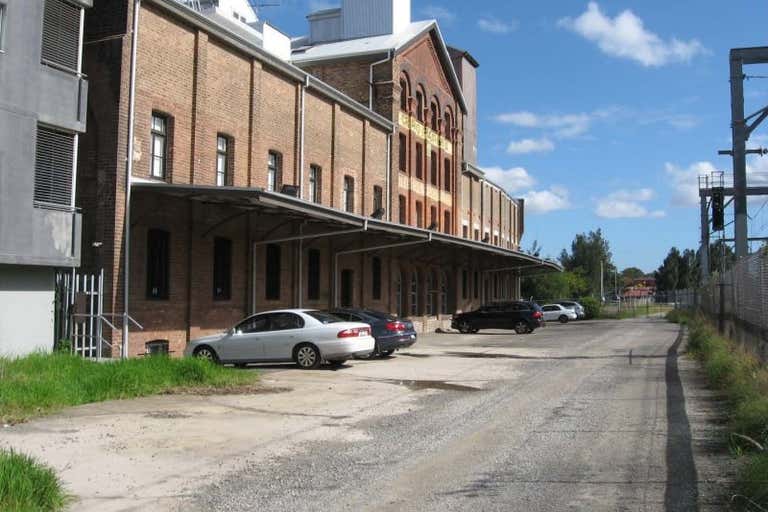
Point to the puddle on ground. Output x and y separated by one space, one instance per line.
417 385
166 415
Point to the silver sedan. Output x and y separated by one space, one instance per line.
306 337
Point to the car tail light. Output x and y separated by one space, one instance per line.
537 314
395 326
354 332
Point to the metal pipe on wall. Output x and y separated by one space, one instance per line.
128 174
370 77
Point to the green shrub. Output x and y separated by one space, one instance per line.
677 316
753 478
27 485
592 307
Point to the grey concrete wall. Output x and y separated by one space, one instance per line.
26 310
32 93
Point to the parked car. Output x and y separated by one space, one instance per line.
578 308
391 333
522 316
304 336
558 313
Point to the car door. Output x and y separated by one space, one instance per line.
284 333
244 343
520 311
549 313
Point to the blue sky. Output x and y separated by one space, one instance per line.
602 114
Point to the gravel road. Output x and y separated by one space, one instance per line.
584 416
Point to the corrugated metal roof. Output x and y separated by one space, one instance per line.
378 45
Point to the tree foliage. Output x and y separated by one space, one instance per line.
678 271
588 250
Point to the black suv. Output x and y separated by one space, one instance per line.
522 316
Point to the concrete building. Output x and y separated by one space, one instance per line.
256 183
43 96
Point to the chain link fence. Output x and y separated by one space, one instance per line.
737 300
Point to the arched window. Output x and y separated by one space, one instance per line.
434 114
420 104
444 294
405 92
448 125
414 293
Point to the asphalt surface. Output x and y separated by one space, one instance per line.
584 416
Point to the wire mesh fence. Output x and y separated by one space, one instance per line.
737 300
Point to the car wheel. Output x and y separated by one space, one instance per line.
307 356
563 319
522 327
207 353
337 362
465 327
474 331
387 353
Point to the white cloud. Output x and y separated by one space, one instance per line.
545 201
685 181
496 26
626 36
438 12
511 180
626 204
563 125
518 147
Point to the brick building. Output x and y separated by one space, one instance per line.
261 180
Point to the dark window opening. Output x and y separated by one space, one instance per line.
274 171
476 285
273 273
347 286
419 105
403 149
447 222
222 269
315 177
376 278
464 283
61 34
403 95
223 161
348 194
419 214
403 210
159 142
313 274
54 160
419 160
447 175
158 264
378 198
433 168
433 217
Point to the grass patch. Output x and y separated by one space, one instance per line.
43 383
744 381
27 485
613 312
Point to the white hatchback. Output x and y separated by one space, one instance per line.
304 336
556 312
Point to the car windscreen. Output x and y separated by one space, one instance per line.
324 318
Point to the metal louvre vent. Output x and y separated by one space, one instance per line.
61 34
54 157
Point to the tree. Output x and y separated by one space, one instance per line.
721 256
629 274
667 274
554 286
588 251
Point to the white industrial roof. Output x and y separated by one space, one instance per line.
375 45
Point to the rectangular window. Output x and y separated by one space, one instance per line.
61 34
274 171
465 231
403 210
272 273
447 175
433 218
2 24
54 161
477 234
376 278
222 269
313 274
159 141
419 160
419 214
378 198
464 283
158 263
447 222
315 173
433 168
223 174
403 151
348 194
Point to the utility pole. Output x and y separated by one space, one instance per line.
602 294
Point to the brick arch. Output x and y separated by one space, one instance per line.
405 91
421 97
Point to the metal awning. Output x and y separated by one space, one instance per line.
274 203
